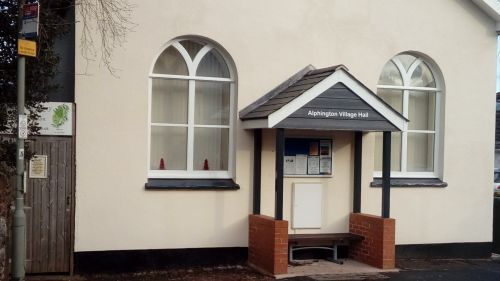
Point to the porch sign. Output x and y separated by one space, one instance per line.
338 114
57 119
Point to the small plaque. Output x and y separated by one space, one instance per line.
20 154
23 127
26 48
38 167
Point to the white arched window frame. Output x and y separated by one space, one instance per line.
406 74
192 64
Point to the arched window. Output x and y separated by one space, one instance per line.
191 105
411 87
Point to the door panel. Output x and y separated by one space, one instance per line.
48 208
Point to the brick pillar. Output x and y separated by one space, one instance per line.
268 244
378 247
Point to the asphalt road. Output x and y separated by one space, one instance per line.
449 270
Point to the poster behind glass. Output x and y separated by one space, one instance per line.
308 156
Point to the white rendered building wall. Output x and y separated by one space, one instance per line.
269 41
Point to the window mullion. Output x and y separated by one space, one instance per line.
421 131
232 106
404 134
437 132
404 150
190 139
201 78
412 68
168 125
212 126
150 113
412 88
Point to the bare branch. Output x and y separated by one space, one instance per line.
105 24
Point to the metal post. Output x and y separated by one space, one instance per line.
386 175
358 151
280 153
257 168
19 221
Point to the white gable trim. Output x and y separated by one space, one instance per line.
255 124
339 75
492 9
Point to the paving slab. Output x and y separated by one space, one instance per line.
324 269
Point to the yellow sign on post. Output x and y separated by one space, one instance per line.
26 48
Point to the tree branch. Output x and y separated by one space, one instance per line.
105 24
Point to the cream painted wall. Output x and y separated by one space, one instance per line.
269 41
337 189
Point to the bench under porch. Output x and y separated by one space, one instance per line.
327 241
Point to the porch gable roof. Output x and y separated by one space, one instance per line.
325 99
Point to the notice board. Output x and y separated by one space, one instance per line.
308 156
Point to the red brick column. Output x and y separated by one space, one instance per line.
378 247
268 244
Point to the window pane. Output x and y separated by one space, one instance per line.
170 62
422 77
421 110
211 144
393 97
406 60
390 75
169 144
169 101
212 103
420 152
191 47
395 152
213 65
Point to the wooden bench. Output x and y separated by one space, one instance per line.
327 241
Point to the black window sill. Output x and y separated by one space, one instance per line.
411 182
191 184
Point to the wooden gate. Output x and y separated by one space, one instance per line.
49 208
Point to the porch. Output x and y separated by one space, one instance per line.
342 103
